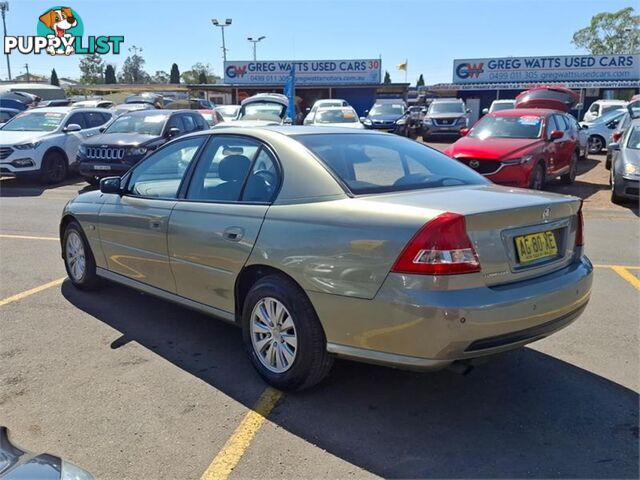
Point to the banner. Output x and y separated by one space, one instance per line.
307 72
547 69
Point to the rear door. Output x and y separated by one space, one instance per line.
567 143
212 230
133 226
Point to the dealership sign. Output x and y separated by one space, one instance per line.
307 72
547 69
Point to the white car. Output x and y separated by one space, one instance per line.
336 102
336 117
44 142
600 107
498 105
93 104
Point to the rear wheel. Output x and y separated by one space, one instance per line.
570 177
283 336
78 258
54 168
596 144
537 177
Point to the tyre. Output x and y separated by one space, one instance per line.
78 258
283 336
537 177
570 177
54 168
615 198
595 144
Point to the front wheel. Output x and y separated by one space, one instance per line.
595 144
570 177
283 336
78 258
537 178
615 198
54 168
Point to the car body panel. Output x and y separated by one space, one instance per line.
625 167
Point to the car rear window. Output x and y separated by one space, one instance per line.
368 163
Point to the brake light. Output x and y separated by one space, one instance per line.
441 247
580 228
615 136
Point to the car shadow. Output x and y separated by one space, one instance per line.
31 187
524 414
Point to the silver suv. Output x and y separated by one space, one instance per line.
445 116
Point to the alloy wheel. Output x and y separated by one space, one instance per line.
75 256
273 335
56 170
595 144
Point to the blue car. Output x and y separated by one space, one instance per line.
385 115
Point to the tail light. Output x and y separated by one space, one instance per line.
580 228
441 247
615 136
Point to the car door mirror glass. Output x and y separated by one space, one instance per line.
110 185
613 147
72 127
173 132
555 135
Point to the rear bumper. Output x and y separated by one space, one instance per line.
442 129
408 325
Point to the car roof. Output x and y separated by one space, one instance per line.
65 110
155 111
335 108
521 112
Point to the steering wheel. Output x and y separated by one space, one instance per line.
269 177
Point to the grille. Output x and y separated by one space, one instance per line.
101 153
481 166
5 152
445 121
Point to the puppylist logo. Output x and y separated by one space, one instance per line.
60 32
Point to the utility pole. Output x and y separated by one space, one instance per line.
26 66
222 26
255 41
4 8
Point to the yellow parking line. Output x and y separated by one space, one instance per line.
28 237
627 275
224 463
628 267
27 293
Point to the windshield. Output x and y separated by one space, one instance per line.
229 111
34 122
387 163
387 109
269 111
528 126
611 115
144 124
634 139
496 107
344 115
447 107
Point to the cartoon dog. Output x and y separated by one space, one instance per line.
59 20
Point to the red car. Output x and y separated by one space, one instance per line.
522 147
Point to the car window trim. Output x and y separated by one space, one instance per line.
263 144
196 155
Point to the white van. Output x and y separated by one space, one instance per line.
600 107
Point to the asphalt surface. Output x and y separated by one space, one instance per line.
132 387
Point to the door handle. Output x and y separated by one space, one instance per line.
155 224
233 234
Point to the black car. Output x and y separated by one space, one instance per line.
384 115
128 139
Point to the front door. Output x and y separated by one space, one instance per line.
213 230
133 226
90 123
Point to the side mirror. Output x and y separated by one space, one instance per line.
102 129
464 131
288 121
556 135
110 185
173 132
366 112
468 110
584 127
362 119
485 111
72 127
613 147
612 124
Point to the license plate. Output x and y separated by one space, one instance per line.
102 167
536 246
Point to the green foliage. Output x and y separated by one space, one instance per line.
610 33
160 77
420 82
110 74
133 70
175 74
387 77
54 78
91 69
198 73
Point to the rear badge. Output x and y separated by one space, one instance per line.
474 163
546 213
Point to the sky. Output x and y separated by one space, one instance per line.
429 34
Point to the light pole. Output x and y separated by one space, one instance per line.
222 26
255 41
4 8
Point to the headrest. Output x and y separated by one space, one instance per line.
233 168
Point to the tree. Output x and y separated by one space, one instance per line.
387 77
91 69
160 77
175 74
133 70
110 74
195 74
54 78
420 82
610 33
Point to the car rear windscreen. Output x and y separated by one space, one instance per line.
368 163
